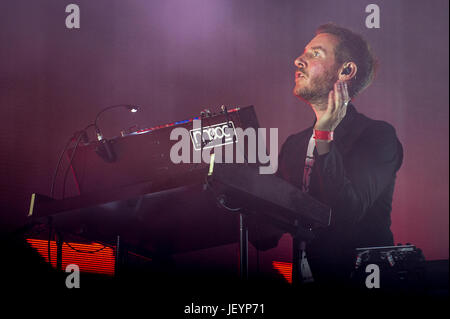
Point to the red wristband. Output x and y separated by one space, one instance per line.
323 135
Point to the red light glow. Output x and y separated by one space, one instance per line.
285 269
90 258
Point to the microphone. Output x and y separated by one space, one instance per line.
106 151
105 148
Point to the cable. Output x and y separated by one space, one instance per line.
55 173
221 202
81 134
69 165
84 251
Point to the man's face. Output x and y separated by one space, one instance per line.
317 70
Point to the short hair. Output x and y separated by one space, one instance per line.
353 47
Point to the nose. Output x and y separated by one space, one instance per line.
300 63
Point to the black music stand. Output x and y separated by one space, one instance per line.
279 202
243 228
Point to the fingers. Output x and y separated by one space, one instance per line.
337 95
346 94
341 99
330 101
338 99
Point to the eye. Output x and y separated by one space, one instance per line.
316 53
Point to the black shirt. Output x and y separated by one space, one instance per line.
356 179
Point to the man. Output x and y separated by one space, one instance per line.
345 159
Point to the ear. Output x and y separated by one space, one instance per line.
347 71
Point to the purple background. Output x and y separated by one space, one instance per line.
177 57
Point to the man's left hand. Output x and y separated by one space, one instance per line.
337 108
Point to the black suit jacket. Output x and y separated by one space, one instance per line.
356 179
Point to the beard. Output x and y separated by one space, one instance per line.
318 88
